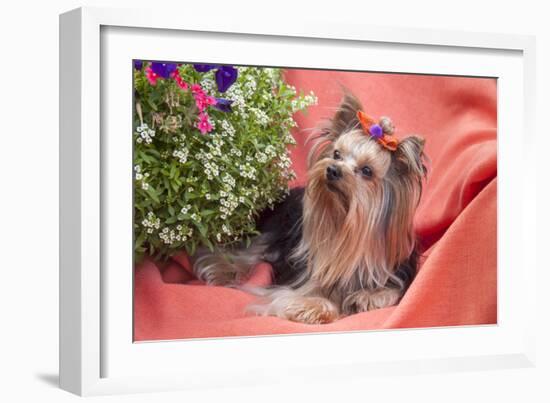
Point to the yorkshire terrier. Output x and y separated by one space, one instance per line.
344 243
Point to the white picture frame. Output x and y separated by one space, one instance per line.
97 355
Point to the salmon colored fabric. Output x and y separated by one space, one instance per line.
456 220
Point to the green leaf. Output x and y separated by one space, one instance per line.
192 248
175 185
140 239
209 244
151 104
153 194
172 220
202 228
153 152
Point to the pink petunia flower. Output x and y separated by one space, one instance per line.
204 124
199 101
181 83
151 76
203 101
196 89
210 101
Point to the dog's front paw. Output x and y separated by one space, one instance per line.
363 300
311 310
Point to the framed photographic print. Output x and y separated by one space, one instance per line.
236 198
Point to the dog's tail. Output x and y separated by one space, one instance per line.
229 266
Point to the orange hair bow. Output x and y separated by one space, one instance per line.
381 131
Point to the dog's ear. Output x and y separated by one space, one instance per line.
345 117
410 154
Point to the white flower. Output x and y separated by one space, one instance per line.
228 180
145 134
261 116
249 87
311 99
261 157
239 103
270 150
208 85
227 129
181 154
151 222
247 171
288 138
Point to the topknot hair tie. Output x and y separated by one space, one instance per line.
381 131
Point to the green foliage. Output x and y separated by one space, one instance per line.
193 189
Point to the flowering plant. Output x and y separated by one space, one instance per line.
210 152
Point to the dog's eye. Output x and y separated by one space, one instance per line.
337 155
366 171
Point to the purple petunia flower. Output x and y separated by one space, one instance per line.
223 105
163 70
225 77
203 68
138 64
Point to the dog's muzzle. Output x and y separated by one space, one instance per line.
333 173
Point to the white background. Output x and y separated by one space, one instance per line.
29 187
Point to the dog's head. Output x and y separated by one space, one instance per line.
361 190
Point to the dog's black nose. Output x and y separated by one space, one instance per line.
333 173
